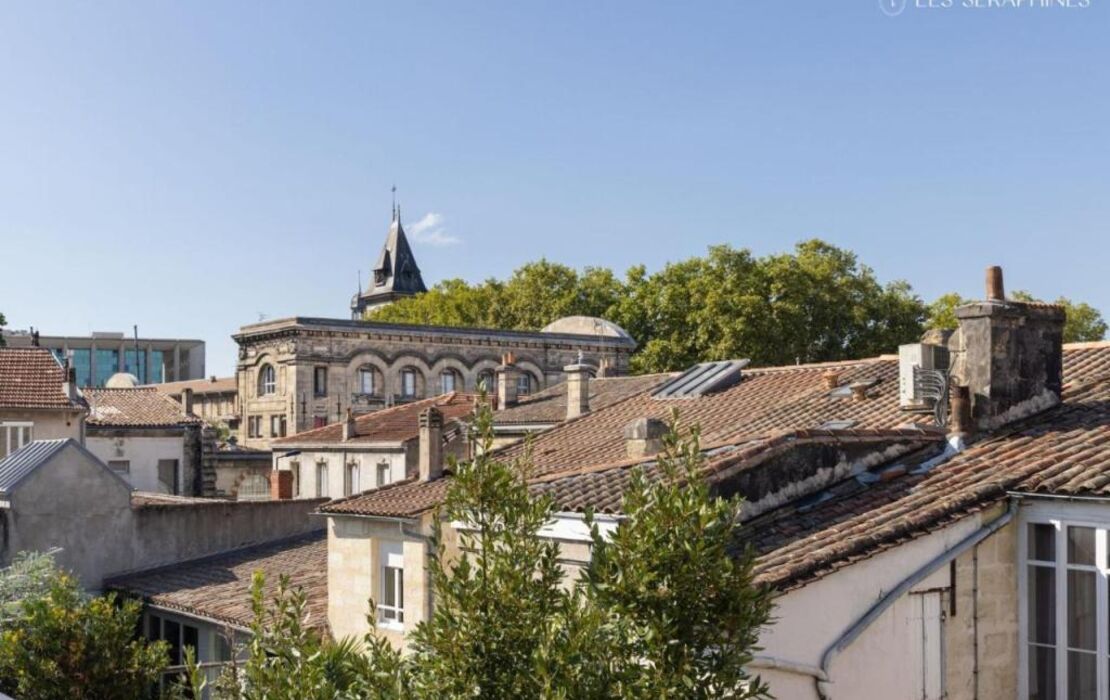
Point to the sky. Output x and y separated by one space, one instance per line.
193 167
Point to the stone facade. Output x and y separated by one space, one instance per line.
299 373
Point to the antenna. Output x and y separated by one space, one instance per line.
394 191
138 375
360 281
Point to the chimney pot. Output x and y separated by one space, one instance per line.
431 444
831 378
959 418
859 391
995 289
507 376
578 389
644 437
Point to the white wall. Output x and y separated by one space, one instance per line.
368 461
886 660
143 453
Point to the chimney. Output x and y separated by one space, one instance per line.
1010 355
187 401
643 437
605 367
831 379
69 388
350 430
859 390
431 444
578 388
507 375
959 417
281 484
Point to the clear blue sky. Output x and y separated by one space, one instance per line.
188 166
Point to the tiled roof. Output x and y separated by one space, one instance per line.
212 385
401 499
550 405
138 407
218 587
32 378
1063 451
392 425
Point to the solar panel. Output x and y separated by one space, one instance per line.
701 379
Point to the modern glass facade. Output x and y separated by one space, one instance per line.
137 368
82 362
157 366
107 364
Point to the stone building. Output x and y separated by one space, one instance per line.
299 373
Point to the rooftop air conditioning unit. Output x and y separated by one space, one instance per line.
922 375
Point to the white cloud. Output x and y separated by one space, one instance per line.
430 229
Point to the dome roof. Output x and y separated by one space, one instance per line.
122 380
587 325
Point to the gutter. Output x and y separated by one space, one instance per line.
859 626
774 663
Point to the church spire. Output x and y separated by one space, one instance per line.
395 274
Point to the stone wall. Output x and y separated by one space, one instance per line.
296 347
981 637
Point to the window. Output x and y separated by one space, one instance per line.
14 435
176 634
408 383
321 480
296 468
384 474
267 380
487 382
255 487
106 364
135 363
254 426
277 426
391 609
320 381
1065 611
319 421
82 363
120 466
524 384
366 381
448 381
351 485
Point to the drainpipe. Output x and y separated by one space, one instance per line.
875 612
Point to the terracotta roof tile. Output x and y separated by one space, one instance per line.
550 405
138 407
218 587
211 385
32 378
395 424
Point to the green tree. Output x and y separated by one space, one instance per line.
672 578
1084 322
64 644
3 322
499 604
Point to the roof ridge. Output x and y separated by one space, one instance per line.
817 365
370 492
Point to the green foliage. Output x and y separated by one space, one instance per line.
671 575
817 303
30 575
3 322
63 644
1084 322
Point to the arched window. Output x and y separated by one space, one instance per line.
487 380
368 383
254 488
267 380
449 380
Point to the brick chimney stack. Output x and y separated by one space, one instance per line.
1010 354
578 388
187 401
350 430
507 376
431 444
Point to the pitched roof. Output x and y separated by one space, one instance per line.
218 587
137 407
550 405
1062 451
211 385
390 425
17 465
32 378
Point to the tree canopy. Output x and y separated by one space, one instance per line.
3 322
1084 322
816 303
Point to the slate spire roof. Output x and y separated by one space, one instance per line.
395 273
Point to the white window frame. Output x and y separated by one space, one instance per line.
524 384
352 477
16 428
408 383
392 570
1062 517
386 468
322 484
267 380
446 377
366 381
